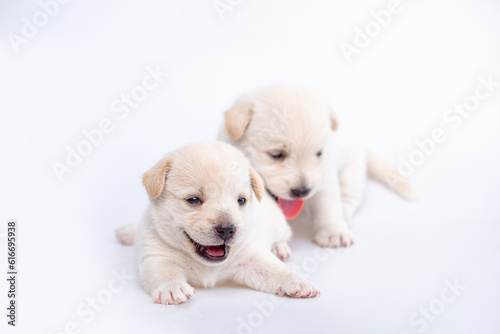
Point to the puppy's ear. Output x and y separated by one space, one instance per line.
333 119
257 184
237 118
154 179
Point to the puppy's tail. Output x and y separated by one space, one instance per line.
126 234
385 173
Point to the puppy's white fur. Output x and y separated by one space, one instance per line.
320 152
218 174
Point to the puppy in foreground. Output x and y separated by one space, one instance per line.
206 225
307 155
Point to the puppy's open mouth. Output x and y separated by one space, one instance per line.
291 208
215 253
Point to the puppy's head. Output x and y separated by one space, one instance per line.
200 199
284 130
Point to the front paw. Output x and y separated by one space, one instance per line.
281 250
333 238
297 287
173 293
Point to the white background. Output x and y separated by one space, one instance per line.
65 78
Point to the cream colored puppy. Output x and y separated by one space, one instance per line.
306 155
205 225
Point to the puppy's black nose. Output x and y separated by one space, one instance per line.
225 231
300 192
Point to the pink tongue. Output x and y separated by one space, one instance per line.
215 251
291 208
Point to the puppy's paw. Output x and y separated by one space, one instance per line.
281 250
173 293
297 287
333 238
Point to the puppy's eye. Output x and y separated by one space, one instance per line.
242 201
319 153
277 156
194 200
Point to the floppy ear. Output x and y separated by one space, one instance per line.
154 179
257 184
237 118
333 119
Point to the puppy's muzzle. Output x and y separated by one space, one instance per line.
212 253
299 192
225 231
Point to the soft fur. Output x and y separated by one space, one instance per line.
219 175
321 152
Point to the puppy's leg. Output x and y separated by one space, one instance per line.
328 216
283 234
264 272
166 283
281 250
352 179
275 224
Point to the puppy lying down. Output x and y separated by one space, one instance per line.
210 221
308 156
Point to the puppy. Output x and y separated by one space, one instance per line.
205 225
306 155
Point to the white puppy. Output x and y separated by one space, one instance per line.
204 226
304 152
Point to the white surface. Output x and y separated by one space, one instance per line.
398 88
